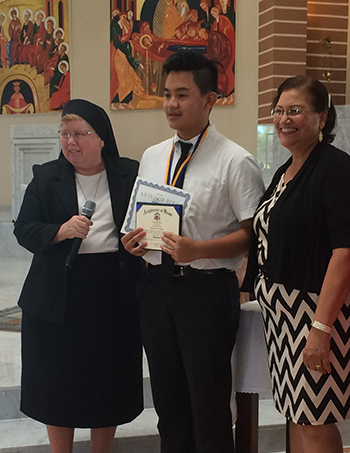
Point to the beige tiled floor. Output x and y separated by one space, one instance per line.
12 274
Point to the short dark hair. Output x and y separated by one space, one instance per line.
320 100
205 72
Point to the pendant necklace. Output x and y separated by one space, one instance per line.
97 185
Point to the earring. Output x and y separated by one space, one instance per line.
320 136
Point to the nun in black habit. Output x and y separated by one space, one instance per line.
81 347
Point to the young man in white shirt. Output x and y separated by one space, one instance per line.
189 320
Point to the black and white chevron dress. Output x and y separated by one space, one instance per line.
302 395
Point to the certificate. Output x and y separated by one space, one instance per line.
155 219
145 191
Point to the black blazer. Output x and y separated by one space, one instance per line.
310 219
49 201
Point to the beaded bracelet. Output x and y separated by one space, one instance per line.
320 326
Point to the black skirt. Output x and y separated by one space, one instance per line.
86 372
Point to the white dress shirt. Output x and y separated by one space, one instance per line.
226 186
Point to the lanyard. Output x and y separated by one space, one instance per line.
199 141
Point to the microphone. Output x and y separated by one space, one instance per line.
87 211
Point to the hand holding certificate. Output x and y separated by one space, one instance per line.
155 219
160 196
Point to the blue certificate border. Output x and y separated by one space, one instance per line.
173 190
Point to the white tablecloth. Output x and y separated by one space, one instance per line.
250 373
249 359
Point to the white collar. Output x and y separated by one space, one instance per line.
193 140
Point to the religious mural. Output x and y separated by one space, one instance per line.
34 56
144 33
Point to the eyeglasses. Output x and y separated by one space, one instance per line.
278 113
78 136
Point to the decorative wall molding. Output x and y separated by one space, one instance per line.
30 145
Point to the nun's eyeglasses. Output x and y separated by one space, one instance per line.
78 136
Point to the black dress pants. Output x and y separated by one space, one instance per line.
189 327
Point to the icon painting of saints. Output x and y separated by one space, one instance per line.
31 38
143 38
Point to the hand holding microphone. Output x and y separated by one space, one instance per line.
87 211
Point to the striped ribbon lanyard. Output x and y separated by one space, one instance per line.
199 141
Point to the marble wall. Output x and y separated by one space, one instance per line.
30 145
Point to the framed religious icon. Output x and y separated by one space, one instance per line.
34 56
144 33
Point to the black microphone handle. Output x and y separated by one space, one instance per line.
87 211
74 251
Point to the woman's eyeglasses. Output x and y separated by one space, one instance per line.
78 136
278 113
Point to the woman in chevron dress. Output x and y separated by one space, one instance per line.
299 269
